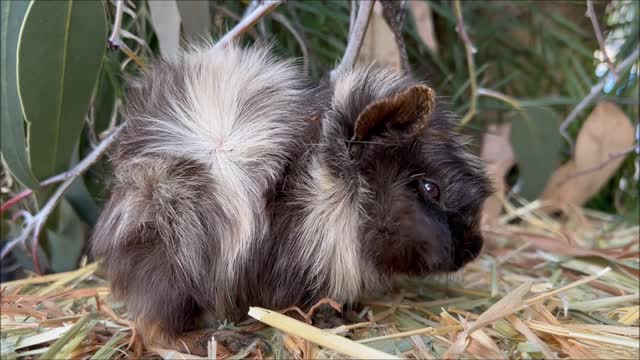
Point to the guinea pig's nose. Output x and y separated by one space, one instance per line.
467 249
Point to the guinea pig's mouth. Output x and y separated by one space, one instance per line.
465 250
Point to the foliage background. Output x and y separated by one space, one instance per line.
542 53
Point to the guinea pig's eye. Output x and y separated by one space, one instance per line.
430 190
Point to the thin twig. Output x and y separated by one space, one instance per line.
262 29
591 14
20 239
16 199
600 166
469 50
356 37
228 13
114 39
248 21
26 193
595 92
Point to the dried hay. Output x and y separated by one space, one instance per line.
543 289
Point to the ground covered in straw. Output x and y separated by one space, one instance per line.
544 288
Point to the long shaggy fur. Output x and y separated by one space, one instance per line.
238 183
208 135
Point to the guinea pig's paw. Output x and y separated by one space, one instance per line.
327 319
229 342
237 341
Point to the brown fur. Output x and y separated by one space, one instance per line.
412 107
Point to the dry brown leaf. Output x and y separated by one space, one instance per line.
509 304
497 153
472 340
424 23
459 345
483 346
606 131
575 350
379 44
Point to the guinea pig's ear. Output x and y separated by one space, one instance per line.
408 111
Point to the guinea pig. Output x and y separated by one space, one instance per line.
208 135
240 183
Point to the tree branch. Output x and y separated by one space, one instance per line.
469 50
226 12
35 223
26 193
593 94
115 41
248 21
591 14
356 37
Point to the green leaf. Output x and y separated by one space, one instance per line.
537 147
80 198
196 19
165 19
12 139
60 50
66 243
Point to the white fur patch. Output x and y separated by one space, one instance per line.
236 115
329 237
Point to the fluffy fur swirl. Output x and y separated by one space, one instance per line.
208 135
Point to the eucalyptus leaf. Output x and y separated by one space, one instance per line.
80 198
12 125
537 147
196 19
165 19
60 50
66 243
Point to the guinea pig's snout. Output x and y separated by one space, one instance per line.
466 248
